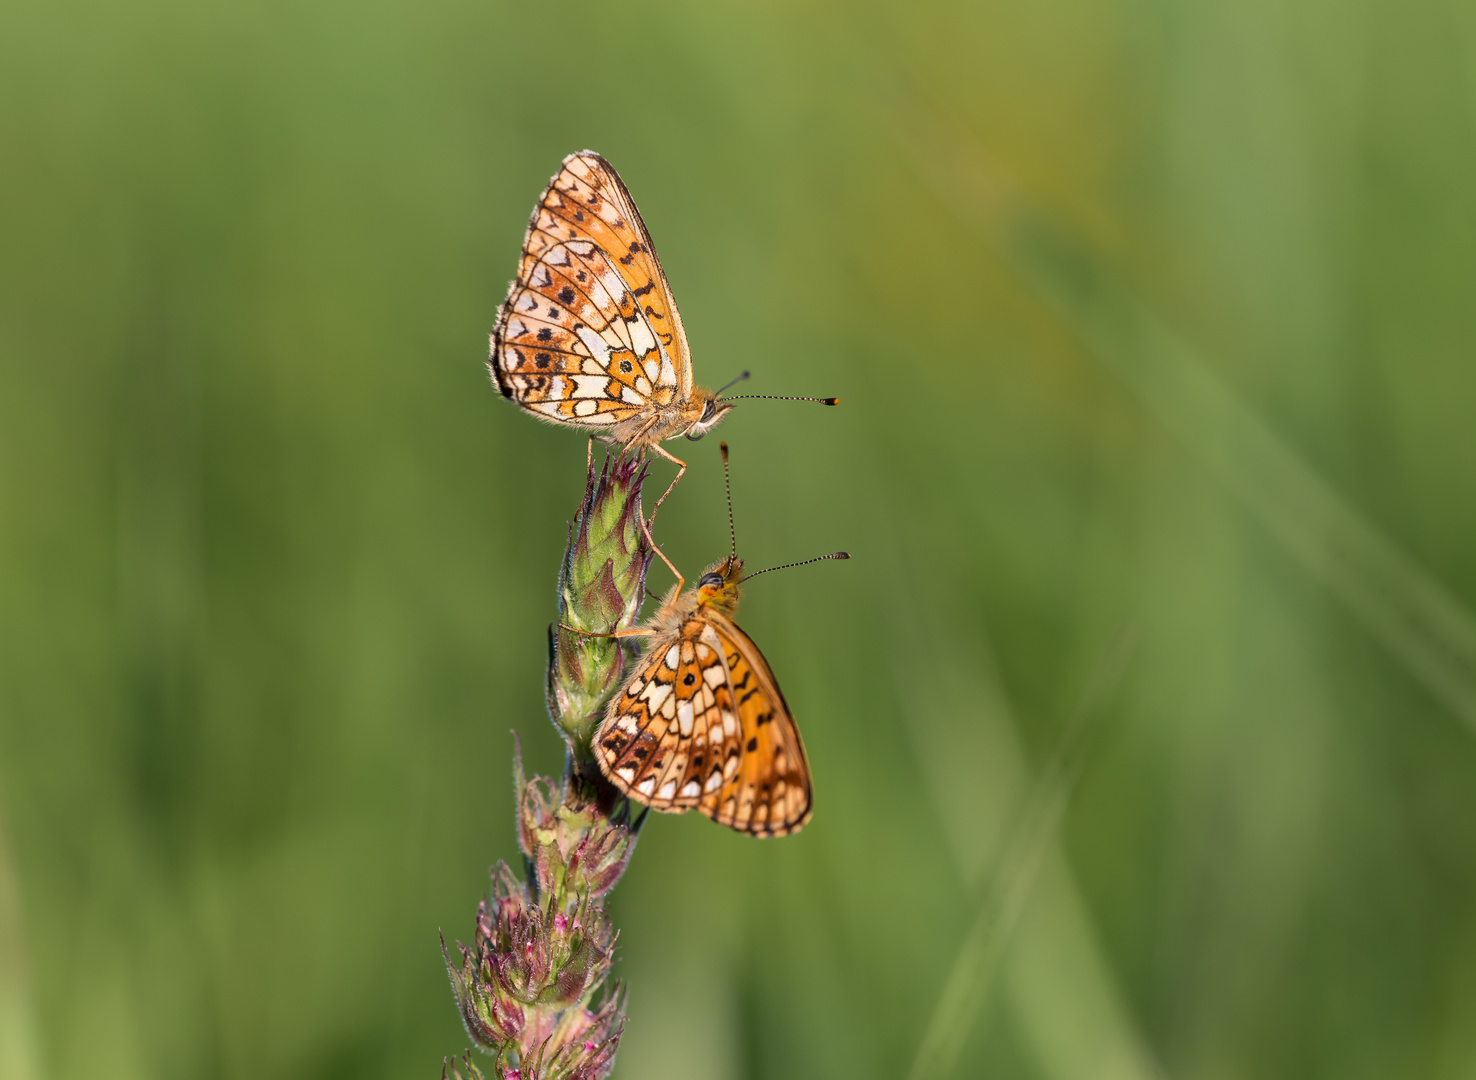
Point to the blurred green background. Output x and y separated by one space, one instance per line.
1152 318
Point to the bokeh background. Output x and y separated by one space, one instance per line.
1154 330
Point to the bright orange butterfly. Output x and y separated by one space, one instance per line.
702 722
589 334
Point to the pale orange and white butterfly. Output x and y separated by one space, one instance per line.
589 335
702 722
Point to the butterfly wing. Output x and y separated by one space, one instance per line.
589 334
702 724
769 793
670 732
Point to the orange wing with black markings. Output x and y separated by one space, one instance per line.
589 334
703 724
668 734
770 793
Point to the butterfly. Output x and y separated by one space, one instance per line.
589 335
702 722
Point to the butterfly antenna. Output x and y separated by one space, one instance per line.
805 562
776 397
728 483
742 376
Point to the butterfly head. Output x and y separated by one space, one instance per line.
709 409
718 586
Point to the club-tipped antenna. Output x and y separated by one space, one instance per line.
728 484
777 397
803 562
741 377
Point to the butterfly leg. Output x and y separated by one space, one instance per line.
637 632
681 468
646 521
590 449
646 528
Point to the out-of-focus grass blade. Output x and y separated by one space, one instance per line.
963 730
966 989
17 1031
1409 611
1066 999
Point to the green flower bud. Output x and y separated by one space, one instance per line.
601 585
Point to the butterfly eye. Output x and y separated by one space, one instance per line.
710 579
711 413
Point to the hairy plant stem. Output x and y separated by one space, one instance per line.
533 986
